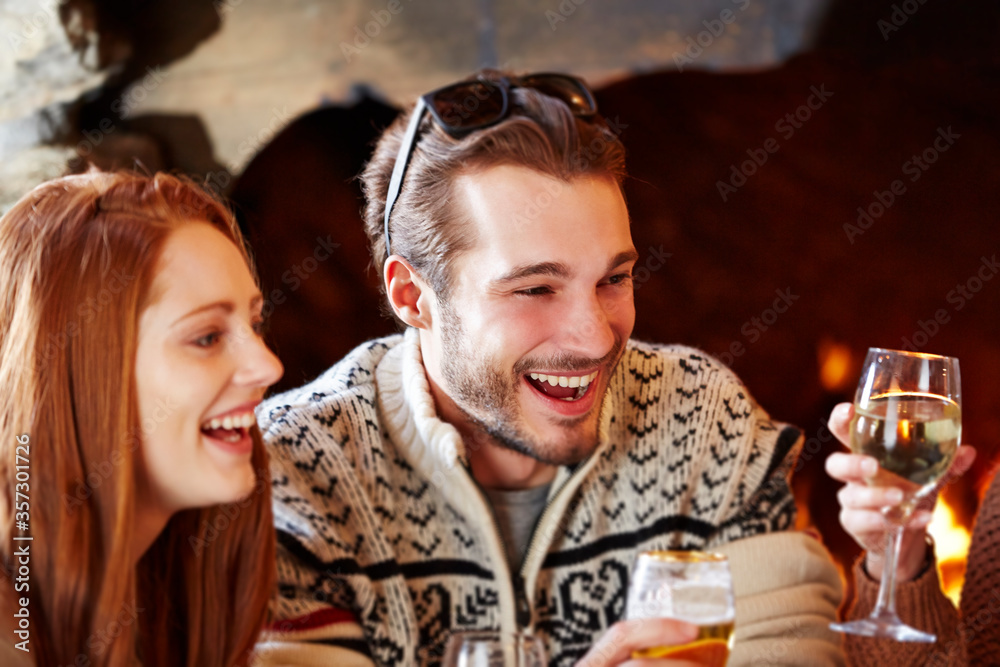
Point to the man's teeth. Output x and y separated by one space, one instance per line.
565 380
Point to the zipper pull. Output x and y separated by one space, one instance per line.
522 606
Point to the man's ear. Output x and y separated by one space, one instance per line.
410 296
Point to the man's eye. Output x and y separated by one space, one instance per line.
208 340
620 278
535 291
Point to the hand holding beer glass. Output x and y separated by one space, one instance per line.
907 415
690 586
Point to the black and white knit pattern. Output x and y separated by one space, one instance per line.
378 521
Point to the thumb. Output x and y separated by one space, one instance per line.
964 458
840 422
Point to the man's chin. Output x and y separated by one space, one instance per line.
558 449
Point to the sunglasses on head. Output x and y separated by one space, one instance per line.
468 106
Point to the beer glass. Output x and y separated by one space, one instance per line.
690 586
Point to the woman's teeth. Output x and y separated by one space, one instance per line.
231 428
228 422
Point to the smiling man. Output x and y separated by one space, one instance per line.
499 465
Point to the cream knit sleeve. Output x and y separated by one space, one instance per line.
787 593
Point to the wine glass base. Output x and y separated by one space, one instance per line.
891 628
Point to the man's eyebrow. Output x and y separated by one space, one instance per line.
622 258
555 269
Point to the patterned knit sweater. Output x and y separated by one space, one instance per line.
971 637
386 543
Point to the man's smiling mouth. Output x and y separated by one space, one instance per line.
562 387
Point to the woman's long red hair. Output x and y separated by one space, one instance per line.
77 257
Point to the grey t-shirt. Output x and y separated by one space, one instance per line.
517 511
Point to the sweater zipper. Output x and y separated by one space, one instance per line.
510 586
523 605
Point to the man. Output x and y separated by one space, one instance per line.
500 464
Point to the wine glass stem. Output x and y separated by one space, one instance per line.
886 605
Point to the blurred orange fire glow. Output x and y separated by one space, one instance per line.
835 369
951 545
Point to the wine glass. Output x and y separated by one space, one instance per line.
493 649
908 416
691 586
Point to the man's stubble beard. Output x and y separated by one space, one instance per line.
487 395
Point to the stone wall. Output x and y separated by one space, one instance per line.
201 86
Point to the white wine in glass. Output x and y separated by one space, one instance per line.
691 586
908 416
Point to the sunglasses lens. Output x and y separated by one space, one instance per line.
469 105
564 88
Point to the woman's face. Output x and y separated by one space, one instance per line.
201 369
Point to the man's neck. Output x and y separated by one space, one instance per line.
493 465
497 467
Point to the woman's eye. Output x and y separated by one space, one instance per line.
209 339
259 326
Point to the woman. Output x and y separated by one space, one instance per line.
131 361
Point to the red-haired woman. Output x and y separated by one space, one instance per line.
130 365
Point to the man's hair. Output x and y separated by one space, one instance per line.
427 229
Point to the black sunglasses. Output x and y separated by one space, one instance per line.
467 106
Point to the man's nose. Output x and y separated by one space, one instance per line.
589 333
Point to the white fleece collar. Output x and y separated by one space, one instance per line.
409 413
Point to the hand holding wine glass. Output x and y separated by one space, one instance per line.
907 416
861 504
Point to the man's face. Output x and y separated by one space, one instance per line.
540 309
